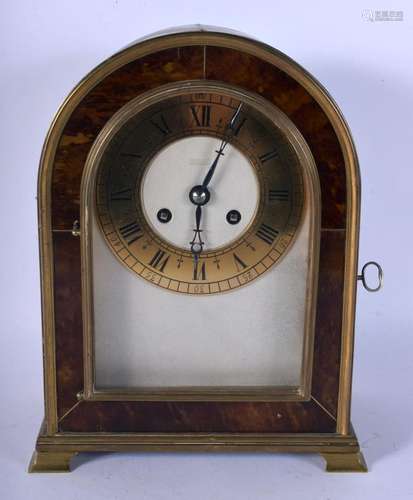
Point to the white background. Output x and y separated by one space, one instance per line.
46 47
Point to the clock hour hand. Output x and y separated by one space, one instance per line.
220 151
197 243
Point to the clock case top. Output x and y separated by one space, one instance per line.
197 54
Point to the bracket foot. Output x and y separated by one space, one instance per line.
51 461
345 462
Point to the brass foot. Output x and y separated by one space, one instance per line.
51 461
345 462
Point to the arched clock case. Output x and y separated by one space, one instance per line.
199 202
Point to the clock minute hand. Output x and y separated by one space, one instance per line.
220 151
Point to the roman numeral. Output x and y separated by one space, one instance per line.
268 156
131 232
202 115
278 195
267 233
121 195
161 125
159 260
240 265
199 271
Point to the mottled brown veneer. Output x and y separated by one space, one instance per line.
68 319
327 342
186 417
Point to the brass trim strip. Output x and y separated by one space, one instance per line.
47 278
263 394
311 442
324 408
69 411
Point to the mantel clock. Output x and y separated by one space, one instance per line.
198 220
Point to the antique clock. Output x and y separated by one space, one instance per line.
198 217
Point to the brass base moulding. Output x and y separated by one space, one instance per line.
341 453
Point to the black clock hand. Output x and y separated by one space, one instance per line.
198 215
199 195
220 151
197 243
212 168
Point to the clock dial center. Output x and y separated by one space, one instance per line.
199 195
172 180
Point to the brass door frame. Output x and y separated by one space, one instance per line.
312 204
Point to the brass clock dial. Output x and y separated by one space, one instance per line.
200 188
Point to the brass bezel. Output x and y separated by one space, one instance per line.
147 99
